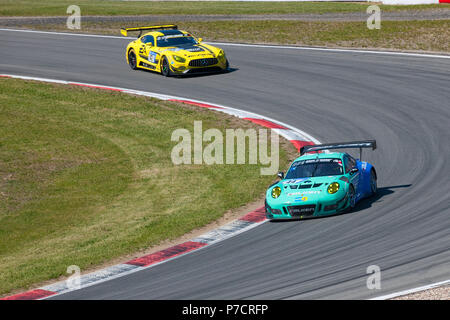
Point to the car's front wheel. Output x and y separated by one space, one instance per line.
132 60
165 68
351 198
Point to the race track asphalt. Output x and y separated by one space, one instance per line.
401 101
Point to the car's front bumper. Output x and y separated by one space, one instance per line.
203 70
184 68
306 210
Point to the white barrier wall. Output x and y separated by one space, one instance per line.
409 1
269 0
383 1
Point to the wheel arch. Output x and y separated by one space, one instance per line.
128 52
350 185
161 59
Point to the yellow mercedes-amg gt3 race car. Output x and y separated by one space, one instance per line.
170 51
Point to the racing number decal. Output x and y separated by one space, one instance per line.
152 56
142 49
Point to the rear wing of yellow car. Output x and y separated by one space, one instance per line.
124 31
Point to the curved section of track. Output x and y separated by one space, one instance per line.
401 101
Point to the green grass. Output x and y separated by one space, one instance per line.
99 7
86 176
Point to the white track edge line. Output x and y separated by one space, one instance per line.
342 50
413 290
411 54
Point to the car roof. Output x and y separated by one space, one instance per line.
161 33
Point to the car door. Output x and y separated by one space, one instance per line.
354 177
148 51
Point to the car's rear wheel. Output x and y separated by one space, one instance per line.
165 68
132 60
373 182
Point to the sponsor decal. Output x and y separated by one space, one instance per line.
320 161
293 181
194 49
301 193
189 49
301 210
300 199
171 36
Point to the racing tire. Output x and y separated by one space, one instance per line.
351 199
132 59
373 183
165 67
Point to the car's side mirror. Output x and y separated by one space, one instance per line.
200 39
281 175
354 170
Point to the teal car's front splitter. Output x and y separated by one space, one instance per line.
304 203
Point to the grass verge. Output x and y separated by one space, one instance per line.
429 35
403 35
86 176
105 7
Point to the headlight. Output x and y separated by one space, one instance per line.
276 192
179 59
333 188
221 54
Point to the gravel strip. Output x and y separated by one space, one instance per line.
438 14
440 293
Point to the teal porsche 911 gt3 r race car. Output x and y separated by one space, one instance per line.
319 184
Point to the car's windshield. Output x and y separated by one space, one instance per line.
171 41
315 168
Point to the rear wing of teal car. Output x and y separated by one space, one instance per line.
341 145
